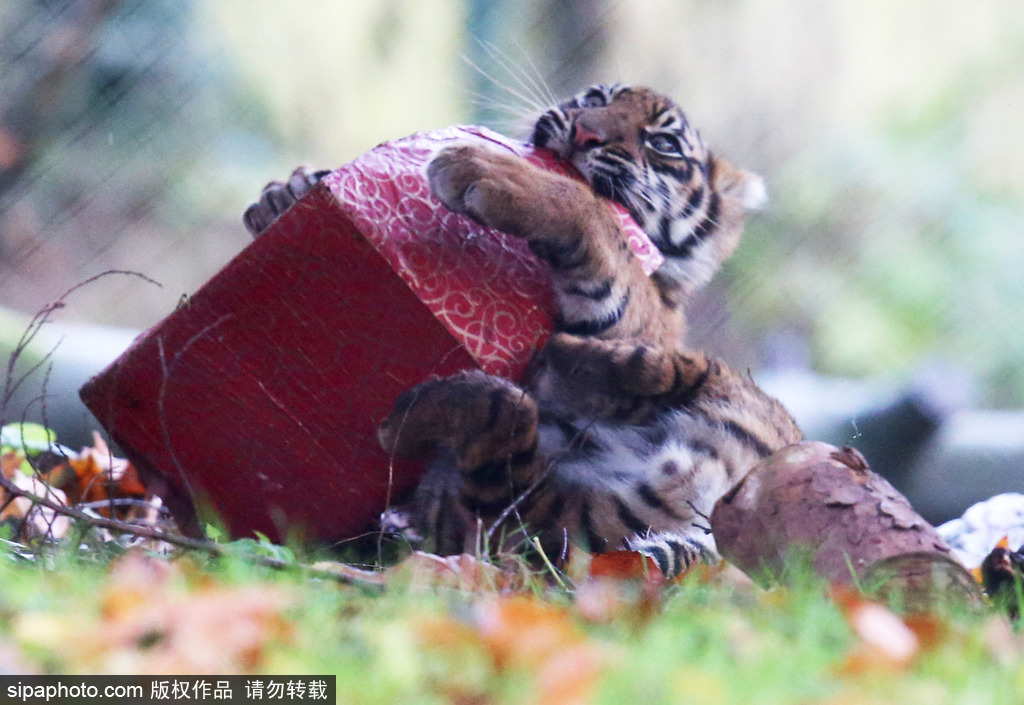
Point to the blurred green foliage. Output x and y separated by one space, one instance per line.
903 241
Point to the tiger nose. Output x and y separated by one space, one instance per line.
585 138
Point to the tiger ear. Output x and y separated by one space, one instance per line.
744 187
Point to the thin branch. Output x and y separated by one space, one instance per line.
165 376
346 574
122 502
11 383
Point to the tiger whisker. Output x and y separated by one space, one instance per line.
517 74
527 100
537 78
516 120
488 102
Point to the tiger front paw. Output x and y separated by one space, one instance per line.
454 175
486 185
277 197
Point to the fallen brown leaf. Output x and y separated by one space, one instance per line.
1002 642
884 641
9 462
601 601
460 572
37 520
931 631
524 633
152 621
625 565
521 634
134 581
97 475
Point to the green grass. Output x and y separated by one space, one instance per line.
701 642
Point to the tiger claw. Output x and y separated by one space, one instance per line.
451 174
277 197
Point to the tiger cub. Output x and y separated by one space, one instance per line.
622 437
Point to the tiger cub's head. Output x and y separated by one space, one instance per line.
636 147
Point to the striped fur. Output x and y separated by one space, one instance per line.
606 460
638 148
622 437
600 286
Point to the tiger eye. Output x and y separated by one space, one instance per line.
593 99
665 144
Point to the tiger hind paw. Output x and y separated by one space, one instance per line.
479 417
674 553
278 196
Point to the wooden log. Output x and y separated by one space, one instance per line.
826 500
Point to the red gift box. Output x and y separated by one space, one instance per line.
260 396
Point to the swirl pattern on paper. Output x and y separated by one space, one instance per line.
486 287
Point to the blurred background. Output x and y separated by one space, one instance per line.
879 294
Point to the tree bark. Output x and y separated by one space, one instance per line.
819 498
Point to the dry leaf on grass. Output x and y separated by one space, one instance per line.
629 584
351 574
523 632
152 622
460 572
525 635
885 640
96 475
602 601
626 565
135 581
34 521
1002 641
9 462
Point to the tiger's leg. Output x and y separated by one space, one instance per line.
617 379
487 424
600 285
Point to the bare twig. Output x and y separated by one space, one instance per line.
122 502
11 381
339 572
165 376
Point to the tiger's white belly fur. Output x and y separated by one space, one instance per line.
621 483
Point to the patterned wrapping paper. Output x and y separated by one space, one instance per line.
486 287
260 398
